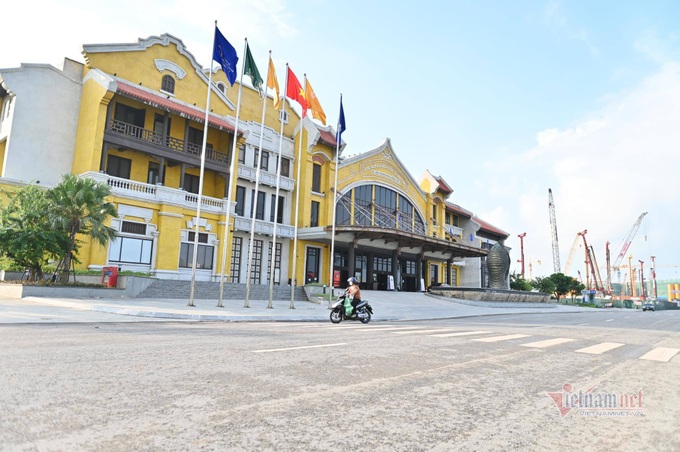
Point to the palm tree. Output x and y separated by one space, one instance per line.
80 207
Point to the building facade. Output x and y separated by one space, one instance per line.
134 117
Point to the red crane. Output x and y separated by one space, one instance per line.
521 247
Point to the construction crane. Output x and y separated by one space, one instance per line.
629 238
567 266
553 227
608 287
597 279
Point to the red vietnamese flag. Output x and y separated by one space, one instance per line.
295 92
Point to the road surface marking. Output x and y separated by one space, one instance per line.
600 348
583 324
373 328
298 348
423 331
609 320
548 342
502 338
663 354
463 333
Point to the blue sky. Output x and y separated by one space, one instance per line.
502 99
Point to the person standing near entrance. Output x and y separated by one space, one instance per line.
354 292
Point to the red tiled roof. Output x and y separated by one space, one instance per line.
164 103
490 228
443 185
458 209
328 138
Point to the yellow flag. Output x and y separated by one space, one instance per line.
273 83
314 105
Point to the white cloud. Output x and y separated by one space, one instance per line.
604 172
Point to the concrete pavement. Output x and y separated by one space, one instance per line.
387 306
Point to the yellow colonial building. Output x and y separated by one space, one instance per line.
134 117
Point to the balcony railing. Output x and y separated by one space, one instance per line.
264 227
146 136
266 178
159 194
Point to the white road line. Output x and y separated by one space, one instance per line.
600 348
462 333
609 320
663 354
297 348
583 324
390 328
502 338
548 342
439 330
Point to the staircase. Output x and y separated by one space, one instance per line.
204 290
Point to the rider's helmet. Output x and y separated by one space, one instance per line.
352 281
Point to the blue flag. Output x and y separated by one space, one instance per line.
341 122
225 54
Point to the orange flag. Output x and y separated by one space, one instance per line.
273 83
295 92
314 104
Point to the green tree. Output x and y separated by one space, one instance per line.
564 284
26 237
519 283
544 284
80 207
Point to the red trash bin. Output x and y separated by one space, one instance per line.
110 276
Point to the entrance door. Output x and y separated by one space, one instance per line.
312 264
434 274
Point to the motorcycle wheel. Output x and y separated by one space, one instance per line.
336 316
367 317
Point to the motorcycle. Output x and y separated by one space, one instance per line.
362 312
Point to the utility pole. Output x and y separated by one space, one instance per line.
521 248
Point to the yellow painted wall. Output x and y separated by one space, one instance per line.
3 146
91 122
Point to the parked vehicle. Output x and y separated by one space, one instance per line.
648 307
362 312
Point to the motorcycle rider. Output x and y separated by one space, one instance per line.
354 291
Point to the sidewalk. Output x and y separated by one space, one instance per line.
387 306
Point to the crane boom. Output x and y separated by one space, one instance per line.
628 240
553 227
567 266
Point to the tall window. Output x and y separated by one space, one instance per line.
285 167
259 213
316 178
240 200
314 219
279 213
385 205
362 205
236 245
154 175
405 214
168 84
277 264
265 159
256 266
204 256
118 166
242 154
191 183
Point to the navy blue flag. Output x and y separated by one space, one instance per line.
341 122
225 54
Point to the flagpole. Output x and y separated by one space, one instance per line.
256 200
200 180
232 169
338 139
297 206
276 197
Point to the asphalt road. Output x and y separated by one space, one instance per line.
506 382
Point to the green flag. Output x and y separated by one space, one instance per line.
250 69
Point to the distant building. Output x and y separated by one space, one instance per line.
133 117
